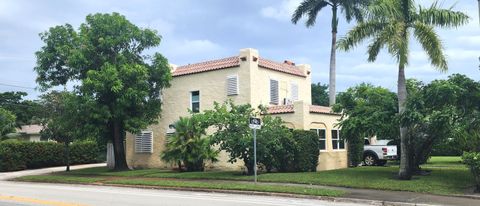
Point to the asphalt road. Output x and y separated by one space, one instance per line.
34 194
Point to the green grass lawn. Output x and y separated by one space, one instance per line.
231 186
448 176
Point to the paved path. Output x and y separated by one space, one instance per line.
15 174
33 194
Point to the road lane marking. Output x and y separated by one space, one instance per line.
36 201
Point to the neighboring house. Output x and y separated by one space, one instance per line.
27 133
246 78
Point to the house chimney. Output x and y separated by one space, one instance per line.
289 62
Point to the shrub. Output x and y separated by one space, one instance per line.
16 155
355 150
307 151
472 160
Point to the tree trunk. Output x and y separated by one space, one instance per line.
118 146
67 156
405 172
332 77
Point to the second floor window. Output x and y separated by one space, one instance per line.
195 101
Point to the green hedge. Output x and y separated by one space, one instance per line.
16 155
472 160
308 150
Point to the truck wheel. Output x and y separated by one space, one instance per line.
381 162
369 160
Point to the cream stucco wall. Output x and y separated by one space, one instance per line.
254 88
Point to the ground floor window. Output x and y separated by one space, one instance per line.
337 142
322 138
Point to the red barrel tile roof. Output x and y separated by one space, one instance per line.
281 67
234 62
207 66
280 109
321 109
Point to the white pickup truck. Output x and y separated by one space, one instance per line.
378 153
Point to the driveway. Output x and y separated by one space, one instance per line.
12 175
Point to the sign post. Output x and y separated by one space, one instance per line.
255 123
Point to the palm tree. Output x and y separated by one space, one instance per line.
310 9
389 24
187 147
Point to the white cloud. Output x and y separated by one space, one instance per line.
188 51
469 40
462 54
282 11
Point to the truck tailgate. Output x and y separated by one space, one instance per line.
391 150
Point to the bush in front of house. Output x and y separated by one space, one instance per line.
472 160
307 151
17 155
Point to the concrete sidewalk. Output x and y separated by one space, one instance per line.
15 174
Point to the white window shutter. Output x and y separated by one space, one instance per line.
144 142
273 91
294 92
232 85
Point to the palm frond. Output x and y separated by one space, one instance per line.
446 18
310 9
361 32
432 45
354 9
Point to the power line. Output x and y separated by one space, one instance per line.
11 85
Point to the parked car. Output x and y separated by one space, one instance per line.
378 153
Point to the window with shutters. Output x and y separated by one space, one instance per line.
273 91
294 91
195 101
232 85
144 142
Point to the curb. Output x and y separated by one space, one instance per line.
257 193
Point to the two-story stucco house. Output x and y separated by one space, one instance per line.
245 78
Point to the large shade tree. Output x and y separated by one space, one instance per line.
351 9
367 111
105 58
390 24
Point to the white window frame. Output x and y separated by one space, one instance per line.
338 139
191 100
270 91
237 92
139 146
317 131
292 97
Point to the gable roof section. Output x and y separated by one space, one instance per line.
280 67
234 61
207 66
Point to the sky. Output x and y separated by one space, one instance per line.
194 31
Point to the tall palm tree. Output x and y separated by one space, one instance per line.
389 24
310 9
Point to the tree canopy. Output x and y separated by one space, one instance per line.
320 94
26 111
119 83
